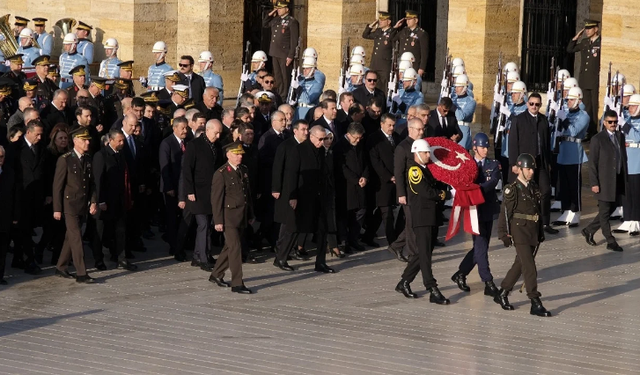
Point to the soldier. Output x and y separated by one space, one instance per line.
97 103
74 191
284 39
406 61
79 77
488 177
408 96
110 67
465 108
631 130
45 40
154 80
423 196
573 129
211 79
29 53
413 39
382 34
518 105
179 97
171 78
69 59
458 71
311 52
7 107
20 23
356 78
85 45
308 89
16 75
232 211
589 48
46 87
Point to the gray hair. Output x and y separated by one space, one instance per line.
189 114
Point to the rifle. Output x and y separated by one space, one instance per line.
392 88
556 123
245 69
295 72
495 107
607 98
502 120
552 91
344 69
445 92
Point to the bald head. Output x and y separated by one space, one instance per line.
129 123
317 134
181 112
24 103
213 129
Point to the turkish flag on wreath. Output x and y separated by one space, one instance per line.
452 164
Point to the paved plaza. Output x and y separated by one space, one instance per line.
168 319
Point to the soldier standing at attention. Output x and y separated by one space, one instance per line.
284 39
110 67
155 78
382 35
45 40
520 224
85 45
413 39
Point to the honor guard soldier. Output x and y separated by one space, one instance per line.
488 177
456 72
110 67
46 87
211 79
406 61
308 89
382 35
356 77
73 192
258 61
16 75
284 40
232 211
518 99
69 59
520 224
311 52
29 53
155 79
408 96
20 23
413 39
631 206
85 45
45 40
424 193
465 108
573 128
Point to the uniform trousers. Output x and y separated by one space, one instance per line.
632 200
383 79
479 254
523 265
421 262
72 247
590 100
231 256
601 221
407 236
114 230
282 74
569 192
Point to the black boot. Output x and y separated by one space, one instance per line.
502 300
437 297
490 289
537 308
461 281
404 288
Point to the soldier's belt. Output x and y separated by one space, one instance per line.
570 139
305 105
632 144
62 79
464 123
533 218
155 88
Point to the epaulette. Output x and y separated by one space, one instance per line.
66 155
221 169
509 191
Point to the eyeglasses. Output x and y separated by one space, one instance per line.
535 104
372 80
269 82
611 121
184 65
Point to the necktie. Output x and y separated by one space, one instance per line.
331 126
443 121
613 139
391 140
33 150
281 136
182 146
132 146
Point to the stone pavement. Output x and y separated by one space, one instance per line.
168 319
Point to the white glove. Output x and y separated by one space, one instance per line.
497 97
550 95
143 80
295 84
621 121
340 91
7 63
608 102
445 83
504 110
292 102
244 77
396 99
554 106
391 86
561 114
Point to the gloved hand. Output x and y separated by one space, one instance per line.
244 77
391 86
554 106
550 95
506 240
562 115
445 83
497 97
292 102
295 84
143 81
504 110
396 99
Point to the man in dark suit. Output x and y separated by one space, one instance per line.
371 121
342 120
529 134
57 111
114 197
201 159
381 147
73 192
443 123
10 212
193 81
262 116
329 113
209 105
364 93
172 149
608 174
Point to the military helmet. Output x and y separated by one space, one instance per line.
563 74
26 33
159 46
111 43
408 56
575 93
511 67
404 65
628 90
358 50
481 140
259 56
205 56
519 87
70 38
461 81
309 62
356 70
409 75
526 161
634 99
457 70
570 82
457 62
420 145
356 59
310 52
513 77
618 78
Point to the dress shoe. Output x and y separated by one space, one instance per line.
402 257
439 243
436 297
537 308
551 230
610 246
490 289
370 242
588 237
148 234
195 263
323 268
180 256
303 252
206 267
3 282
297 255
241 289
100 266
219 281
461 281
356 246
348 250
64 274
404 288
283 265
32 269
502 300
559 223
127 266
86 279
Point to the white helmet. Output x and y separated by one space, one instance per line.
358 50
408 56
575 93
511 67
457 62
356 70
570 82
310 52
259 56
70 38
205 56
618 79
111 43
410 75
308 62
628 90
356 59
457 70
513 77
519 87
404 65
420 145
26 33
159 46
563 74
634 99
461 81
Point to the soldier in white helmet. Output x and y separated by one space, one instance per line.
464 106
459 70
518 104
109 67
69 59
311 52
631 130
356 76
408 96
211 79
29 53
155 78
512 77
258 62
308 90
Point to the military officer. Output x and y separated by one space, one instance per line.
573 129
46 87
488 177
79 76
7 107
520 224
16 75
85 45
171 78
20 23
408 96
424 193
155 79
73 192
126 72
29 53
308 89
211 79
465 108
284 40
45 40
589 48
231 204
69 59
110 67
413 39
382 34
97 102
631 131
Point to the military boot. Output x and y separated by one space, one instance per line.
461 281
490 289
436 297
502 300
537 308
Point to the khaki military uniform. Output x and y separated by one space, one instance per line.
283 42
415 41
382 53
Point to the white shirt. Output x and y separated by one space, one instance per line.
79 155
180 141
